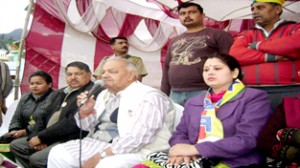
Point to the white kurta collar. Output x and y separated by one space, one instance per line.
265 31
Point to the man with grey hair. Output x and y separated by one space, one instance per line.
127 122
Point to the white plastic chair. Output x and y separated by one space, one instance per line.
178 115
7 117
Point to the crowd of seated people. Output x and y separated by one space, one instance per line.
249 115
229 108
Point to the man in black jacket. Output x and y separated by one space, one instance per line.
58 124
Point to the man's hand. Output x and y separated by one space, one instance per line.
108 151
88 107
34 141
92 161
40 147
18 134
281 58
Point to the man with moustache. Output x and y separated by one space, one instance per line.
120 46
57 125
128 121
182 74
270 52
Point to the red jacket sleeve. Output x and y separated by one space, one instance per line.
241 51
288 46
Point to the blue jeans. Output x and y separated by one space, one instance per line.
180 97
276 93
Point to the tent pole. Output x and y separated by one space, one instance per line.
21 46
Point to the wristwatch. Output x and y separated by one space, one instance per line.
103 154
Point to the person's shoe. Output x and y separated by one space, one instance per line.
276 164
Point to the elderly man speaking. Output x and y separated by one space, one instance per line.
127 122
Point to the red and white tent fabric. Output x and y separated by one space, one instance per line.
63 31
222 10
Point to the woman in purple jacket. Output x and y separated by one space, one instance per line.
223 123
219 127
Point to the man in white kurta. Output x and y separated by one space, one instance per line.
135 120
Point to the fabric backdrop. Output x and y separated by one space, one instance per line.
63 31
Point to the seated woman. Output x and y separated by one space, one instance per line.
280 138
219 127
32 104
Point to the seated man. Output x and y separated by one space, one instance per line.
127 122
56 125
280 138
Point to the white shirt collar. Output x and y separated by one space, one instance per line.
274 27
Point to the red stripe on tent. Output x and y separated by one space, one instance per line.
102 49
43 46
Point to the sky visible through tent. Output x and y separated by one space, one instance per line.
12 15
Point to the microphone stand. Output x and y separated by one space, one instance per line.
80 133
98 85
80 137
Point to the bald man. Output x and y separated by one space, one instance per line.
127 122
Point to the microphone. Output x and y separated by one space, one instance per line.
98 85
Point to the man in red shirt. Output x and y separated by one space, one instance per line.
270 52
